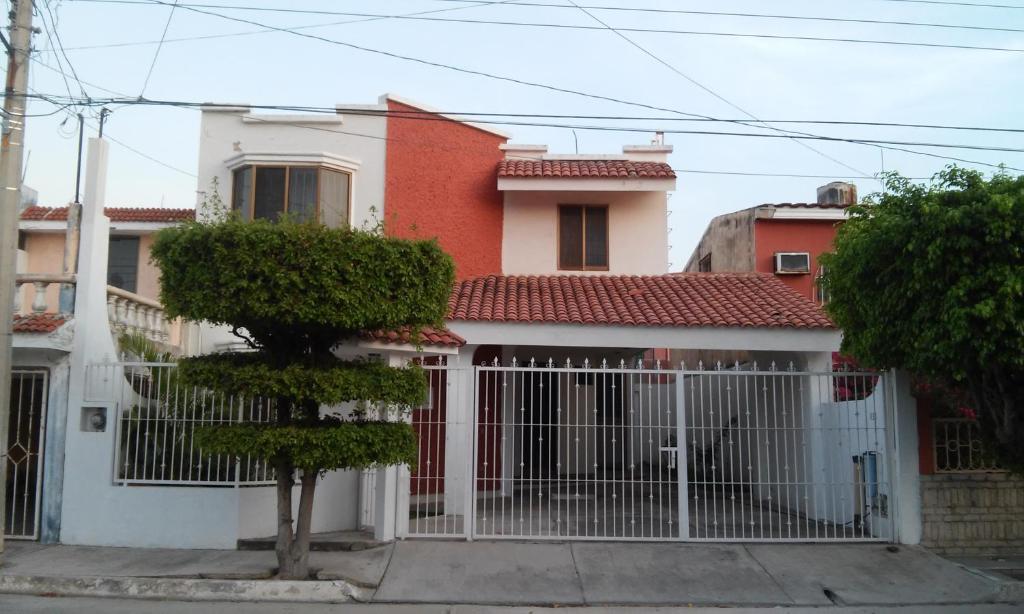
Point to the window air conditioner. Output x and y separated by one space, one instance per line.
792 263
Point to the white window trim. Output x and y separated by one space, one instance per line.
322 159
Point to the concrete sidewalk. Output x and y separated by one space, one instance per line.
522 574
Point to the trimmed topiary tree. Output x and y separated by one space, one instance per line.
293 292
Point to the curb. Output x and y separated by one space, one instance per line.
187 589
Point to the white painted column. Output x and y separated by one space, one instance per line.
386 504
817 394
391 491
901 412
458 445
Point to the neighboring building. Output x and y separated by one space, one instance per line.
42 235
782 239
540 424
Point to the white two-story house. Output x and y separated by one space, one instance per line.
549 416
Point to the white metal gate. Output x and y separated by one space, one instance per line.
25 453
620 453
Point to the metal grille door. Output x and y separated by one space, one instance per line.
580 453
25 453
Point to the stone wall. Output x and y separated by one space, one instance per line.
973 513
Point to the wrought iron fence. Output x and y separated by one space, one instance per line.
959 447
24 447
156 420
624 452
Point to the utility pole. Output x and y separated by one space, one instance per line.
12 145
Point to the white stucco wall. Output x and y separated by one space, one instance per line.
637 231
225 133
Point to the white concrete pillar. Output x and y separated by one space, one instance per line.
385 505
458 445
901 411
816 396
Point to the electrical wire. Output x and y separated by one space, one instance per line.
493 76
886 144
949 3
718 96
159 46
767 36
60 46
636 9
184 39
629 9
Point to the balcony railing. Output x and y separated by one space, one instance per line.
130 313
37 286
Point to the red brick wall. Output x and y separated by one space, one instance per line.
812 236
441 182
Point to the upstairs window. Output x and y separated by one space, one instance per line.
704 265
303 193
583 238
123 263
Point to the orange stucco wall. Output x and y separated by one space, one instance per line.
441 183
812 236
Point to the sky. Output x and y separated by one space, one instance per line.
112 46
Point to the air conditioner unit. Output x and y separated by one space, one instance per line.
792 263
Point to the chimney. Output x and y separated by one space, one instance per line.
837 193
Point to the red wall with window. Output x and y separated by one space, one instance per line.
812 236
441 182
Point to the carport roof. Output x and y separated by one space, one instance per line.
733 300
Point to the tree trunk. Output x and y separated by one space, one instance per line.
285 540
300 546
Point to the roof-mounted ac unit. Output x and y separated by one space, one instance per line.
792 263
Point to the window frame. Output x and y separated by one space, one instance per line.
137 239
583 239
319 168
704 264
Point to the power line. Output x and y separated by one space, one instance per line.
488 75
485 115
649 10
159 46
60 45
471 114
788 175
878 142
693 81
56 54
948 3
767 36
265 30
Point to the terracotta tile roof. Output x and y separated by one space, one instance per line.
116 214
38 323
428 336
679 299
616 169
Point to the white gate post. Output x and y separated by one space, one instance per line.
682 463
458 444
901 418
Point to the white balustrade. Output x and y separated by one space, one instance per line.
40 283
130 313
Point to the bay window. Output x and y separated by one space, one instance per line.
303 193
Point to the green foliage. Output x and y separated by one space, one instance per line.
141 348
931 279
293 292
326 381
330 445
278 280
